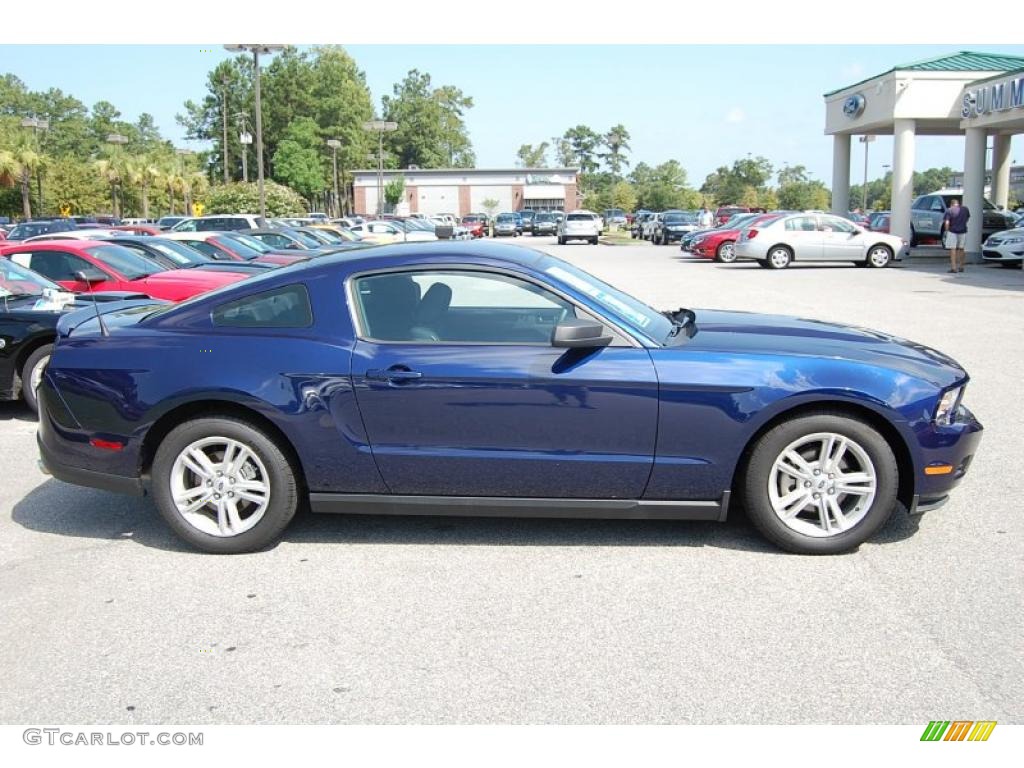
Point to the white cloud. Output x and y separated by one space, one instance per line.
735 115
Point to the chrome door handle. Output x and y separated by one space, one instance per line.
393 374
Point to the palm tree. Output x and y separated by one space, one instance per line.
152 176
197 185
110 172
172 181
9 170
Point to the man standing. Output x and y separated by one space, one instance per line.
706 219
954 229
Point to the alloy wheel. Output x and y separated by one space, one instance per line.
220 486
879 256
822 484
779 258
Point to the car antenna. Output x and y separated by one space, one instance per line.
96 309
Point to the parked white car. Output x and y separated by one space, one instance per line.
1006 247
78 234
220 222
579 225
391 232
777 243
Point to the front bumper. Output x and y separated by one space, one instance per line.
1004 254
955 446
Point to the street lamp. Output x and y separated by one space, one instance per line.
37 125
334 144
257 49
380 127
118 140
866 141
245 139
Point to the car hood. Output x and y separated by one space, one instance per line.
1016 232
752 333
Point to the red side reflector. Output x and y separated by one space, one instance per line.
751 234
107 445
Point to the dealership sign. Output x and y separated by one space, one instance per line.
999 97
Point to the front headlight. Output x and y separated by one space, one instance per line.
945 412
1009 240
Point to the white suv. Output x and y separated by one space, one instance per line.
220 222
579 225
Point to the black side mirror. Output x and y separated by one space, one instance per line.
90 275
576 334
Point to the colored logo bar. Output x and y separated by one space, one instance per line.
958 730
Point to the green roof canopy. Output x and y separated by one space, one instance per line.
961 61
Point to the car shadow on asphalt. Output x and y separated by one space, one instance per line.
16 410
65 510
992 276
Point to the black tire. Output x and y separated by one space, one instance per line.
593 241
282 477
723 256
913 238
561 241
36 362
763 263
754 484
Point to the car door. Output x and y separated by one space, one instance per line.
839 240
462 394
804 237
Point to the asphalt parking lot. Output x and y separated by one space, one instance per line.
106 618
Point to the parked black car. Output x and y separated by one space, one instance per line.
545 224
36 227
672 226
30 306
528 217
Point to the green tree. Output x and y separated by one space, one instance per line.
394 190
431 127
731 185
616 139
584 144
244 198
298 161
564 155
533 156
804 196
624 196
490 206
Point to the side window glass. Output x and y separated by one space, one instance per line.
938 205
286 307
458 307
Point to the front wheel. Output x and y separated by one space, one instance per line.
821 483
224 485
879 256
779 257
726 252
32 375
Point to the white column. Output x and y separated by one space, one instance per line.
841 173
1001 169
974 189
902 177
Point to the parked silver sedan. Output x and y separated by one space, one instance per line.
817 237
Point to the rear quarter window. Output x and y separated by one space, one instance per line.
286 307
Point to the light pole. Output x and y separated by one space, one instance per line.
334 144
224 122
118 140
257 49
866 141
380 127
37 125
245 139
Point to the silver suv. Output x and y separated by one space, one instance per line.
579 225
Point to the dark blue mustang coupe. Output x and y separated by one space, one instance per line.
483 379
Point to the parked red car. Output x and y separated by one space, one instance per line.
726 212
718 244
477 225
92 265
139 229
879 222
234 246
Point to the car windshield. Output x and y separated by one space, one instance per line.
253 243
471 219
579 217
631 311
177 251
506 218
680 218
306 240
25 231
320 236
120 259
737 221
545 217
16 280
238 247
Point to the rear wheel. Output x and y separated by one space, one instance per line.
32 374
223 485
821 483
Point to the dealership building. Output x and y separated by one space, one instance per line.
463 190
979 96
